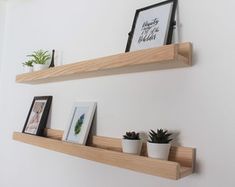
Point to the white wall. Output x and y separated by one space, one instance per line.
2 25
2 29
198 101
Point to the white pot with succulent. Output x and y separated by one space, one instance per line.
28 66
159 144
40 60
131 143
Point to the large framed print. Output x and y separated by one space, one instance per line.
152 26
38 114
80 122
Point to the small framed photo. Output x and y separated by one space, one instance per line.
152 26
80 122
38 114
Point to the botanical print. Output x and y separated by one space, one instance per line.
78 125
151 28
77 128
35 116
80 122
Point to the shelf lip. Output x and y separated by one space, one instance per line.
185 171
164 57
166 169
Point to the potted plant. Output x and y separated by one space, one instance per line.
159 144
40 59
131 143
28 66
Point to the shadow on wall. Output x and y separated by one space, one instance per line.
93 130
178 37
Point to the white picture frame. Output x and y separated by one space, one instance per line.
152 26
80 122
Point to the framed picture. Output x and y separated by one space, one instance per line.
80 122
152 26
37 117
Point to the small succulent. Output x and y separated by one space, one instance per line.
160 136
131 136
40 57
28 63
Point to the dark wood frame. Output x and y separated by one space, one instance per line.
171 26
45 114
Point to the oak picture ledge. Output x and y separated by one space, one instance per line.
165 57
108 151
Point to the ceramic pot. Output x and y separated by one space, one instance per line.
131 146
28 69
159 151
38 67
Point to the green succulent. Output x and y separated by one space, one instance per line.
78 126
28 63
131 136
160 136
40 56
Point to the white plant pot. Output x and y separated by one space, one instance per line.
28 69
38 67
131 146
159 151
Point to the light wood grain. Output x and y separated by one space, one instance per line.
53 133
185 171
183 155
185 49
165 57
107 151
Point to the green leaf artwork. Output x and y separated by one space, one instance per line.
78 125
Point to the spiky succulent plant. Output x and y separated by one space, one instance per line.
131 136
160 136
40 56
28 63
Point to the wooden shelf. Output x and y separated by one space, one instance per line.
108 151
165 57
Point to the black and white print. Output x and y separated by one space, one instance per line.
152 26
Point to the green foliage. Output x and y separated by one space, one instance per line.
40 57
78 125
28 63
160 136
131 136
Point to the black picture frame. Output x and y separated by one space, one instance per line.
171 24
38 115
